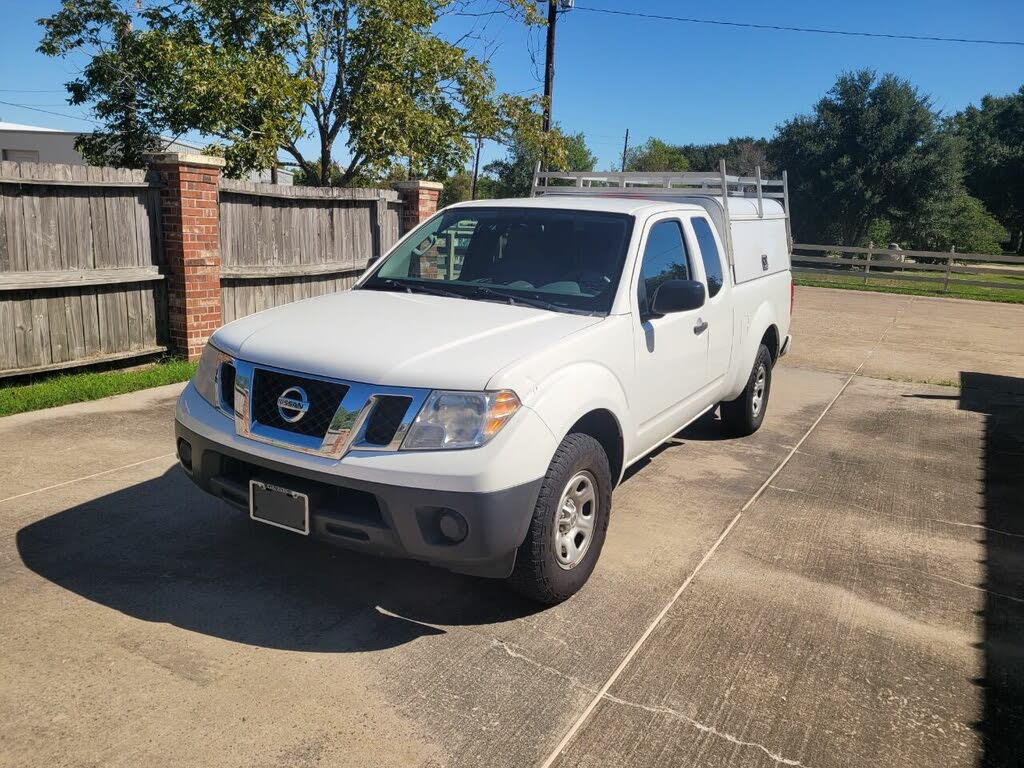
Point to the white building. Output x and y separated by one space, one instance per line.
33 144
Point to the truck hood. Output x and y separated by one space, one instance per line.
396 339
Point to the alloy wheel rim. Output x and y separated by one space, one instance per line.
575 517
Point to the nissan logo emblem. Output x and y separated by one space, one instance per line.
293 404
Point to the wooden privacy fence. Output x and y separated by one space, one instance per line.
281 244
81 275
103 264
938 268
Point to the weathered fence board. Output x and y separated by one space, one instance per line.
83 268
80 278
282 244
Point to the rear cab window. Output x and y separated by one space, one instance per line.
709 254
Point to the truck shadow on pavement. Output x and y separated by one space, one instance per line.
1001 400
163 551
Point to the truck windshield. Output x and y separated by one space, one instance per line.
556 259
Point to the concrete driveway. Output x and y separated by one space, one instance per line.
844 588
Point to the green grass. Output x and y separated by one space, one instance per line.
79 387
856 283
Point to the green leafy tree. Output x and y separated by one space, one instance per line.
993 136
311 177
513 175
262 74
872 149
957 222
742 156
215 67
457 189
656 155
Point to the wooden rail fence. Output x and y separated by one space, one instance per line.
890 264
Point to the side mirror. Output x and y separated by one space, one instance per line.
677 296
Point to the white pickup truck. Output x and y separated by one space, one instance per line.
475 398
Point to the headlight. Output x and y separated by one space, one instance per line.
205 380
460 419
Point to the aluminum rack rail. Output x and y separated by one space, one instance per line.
672 186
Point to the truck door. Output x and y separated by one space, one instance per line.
671 350
718 311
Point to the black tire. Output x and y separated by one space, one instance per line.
538 574
743 416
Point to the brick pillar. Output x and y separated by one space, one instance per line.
419 201
190 225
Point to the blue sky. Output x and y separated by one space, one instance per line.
680 82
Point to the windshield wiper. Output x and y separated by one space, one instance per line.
482 291
395 285
474 292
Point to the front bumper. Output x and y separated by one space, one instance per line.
375 517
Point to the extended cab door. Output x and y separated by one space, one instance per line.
718 311
670 350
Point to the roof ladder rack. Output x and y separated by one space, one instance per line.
660 186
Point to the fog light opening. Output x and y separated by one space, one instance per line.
453 526
185 454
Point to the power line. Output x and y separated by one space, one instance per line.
813 30
49 112
31 90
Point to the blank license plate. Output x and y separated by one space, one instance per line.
278 506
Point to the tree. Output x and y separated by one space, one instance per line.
872 149
742 156
261 74
656 155
957 221
993 136
513 175
211 67
457 189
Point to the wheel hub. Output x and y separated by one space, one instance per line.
569 516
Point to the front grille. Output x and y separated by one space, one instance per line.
324 399
386 419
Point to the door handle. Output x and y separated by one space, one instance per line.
700 327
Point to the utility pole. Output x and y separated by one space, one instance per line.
549 66
476 167
625 149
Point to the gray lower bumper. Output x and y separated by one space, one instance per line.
382 519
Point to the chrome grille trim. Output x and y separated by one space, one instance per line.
347 429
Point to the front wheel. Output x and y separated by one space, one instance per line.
569 523
743 416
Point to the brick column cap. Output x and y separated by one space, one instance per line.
409 186
185 158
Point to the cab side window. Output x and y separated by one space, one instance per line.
709 254
664 259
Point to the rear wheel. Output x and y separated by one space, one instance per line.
569 523
743 416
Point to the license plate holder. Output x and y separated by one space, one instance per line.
280 507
